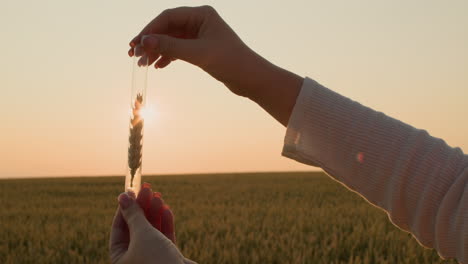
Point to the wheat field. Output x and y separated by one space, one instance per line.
220 218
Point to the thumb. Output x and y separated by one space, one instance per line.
178 48
132 213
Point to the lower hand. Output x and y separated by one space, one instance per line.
135 237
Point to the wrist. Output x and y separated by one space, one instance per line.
247 73
274 89
251 75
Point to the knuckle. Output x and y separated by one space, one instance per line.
208 9
166 12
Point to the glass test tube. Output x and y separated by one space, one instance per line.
137 104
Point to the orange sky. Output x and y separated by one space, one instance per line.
65 81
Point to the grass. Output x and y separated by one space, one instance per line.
220 218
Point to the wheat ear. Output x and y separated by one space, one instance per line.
135 138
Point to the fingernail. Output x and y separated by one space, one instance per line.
124 200
147 185
157 194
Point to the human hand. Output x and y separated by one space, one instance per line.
143 230
200 36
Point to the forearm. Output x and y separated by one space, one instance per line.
278 94
273 88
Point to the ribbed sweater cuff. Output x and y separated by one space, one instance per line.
305 139
298 123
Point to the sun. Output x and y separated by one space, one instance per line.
148 113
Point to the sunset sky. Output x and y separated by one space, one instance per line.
65 80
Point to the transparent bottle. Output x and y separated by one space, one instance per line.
137 108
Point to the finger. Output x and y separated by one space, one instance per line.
176 33
159 24
141 56
163 62
167 224
132 213
119 238
185 49
144 198
182 22
155 214
139 51
152 58
119 231
176 19
143 61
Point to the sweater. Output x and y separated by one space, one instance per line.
419 180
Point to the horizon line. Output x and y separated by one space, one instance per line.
156 174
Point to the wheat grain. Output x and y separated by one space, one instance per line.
135 138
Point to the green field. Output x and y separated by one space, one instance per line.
222 218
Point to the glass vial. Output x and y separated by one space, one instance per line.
137 108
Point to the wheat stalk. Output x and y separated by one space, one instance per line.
135 138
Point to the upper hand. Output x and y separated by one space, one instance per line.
199 36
